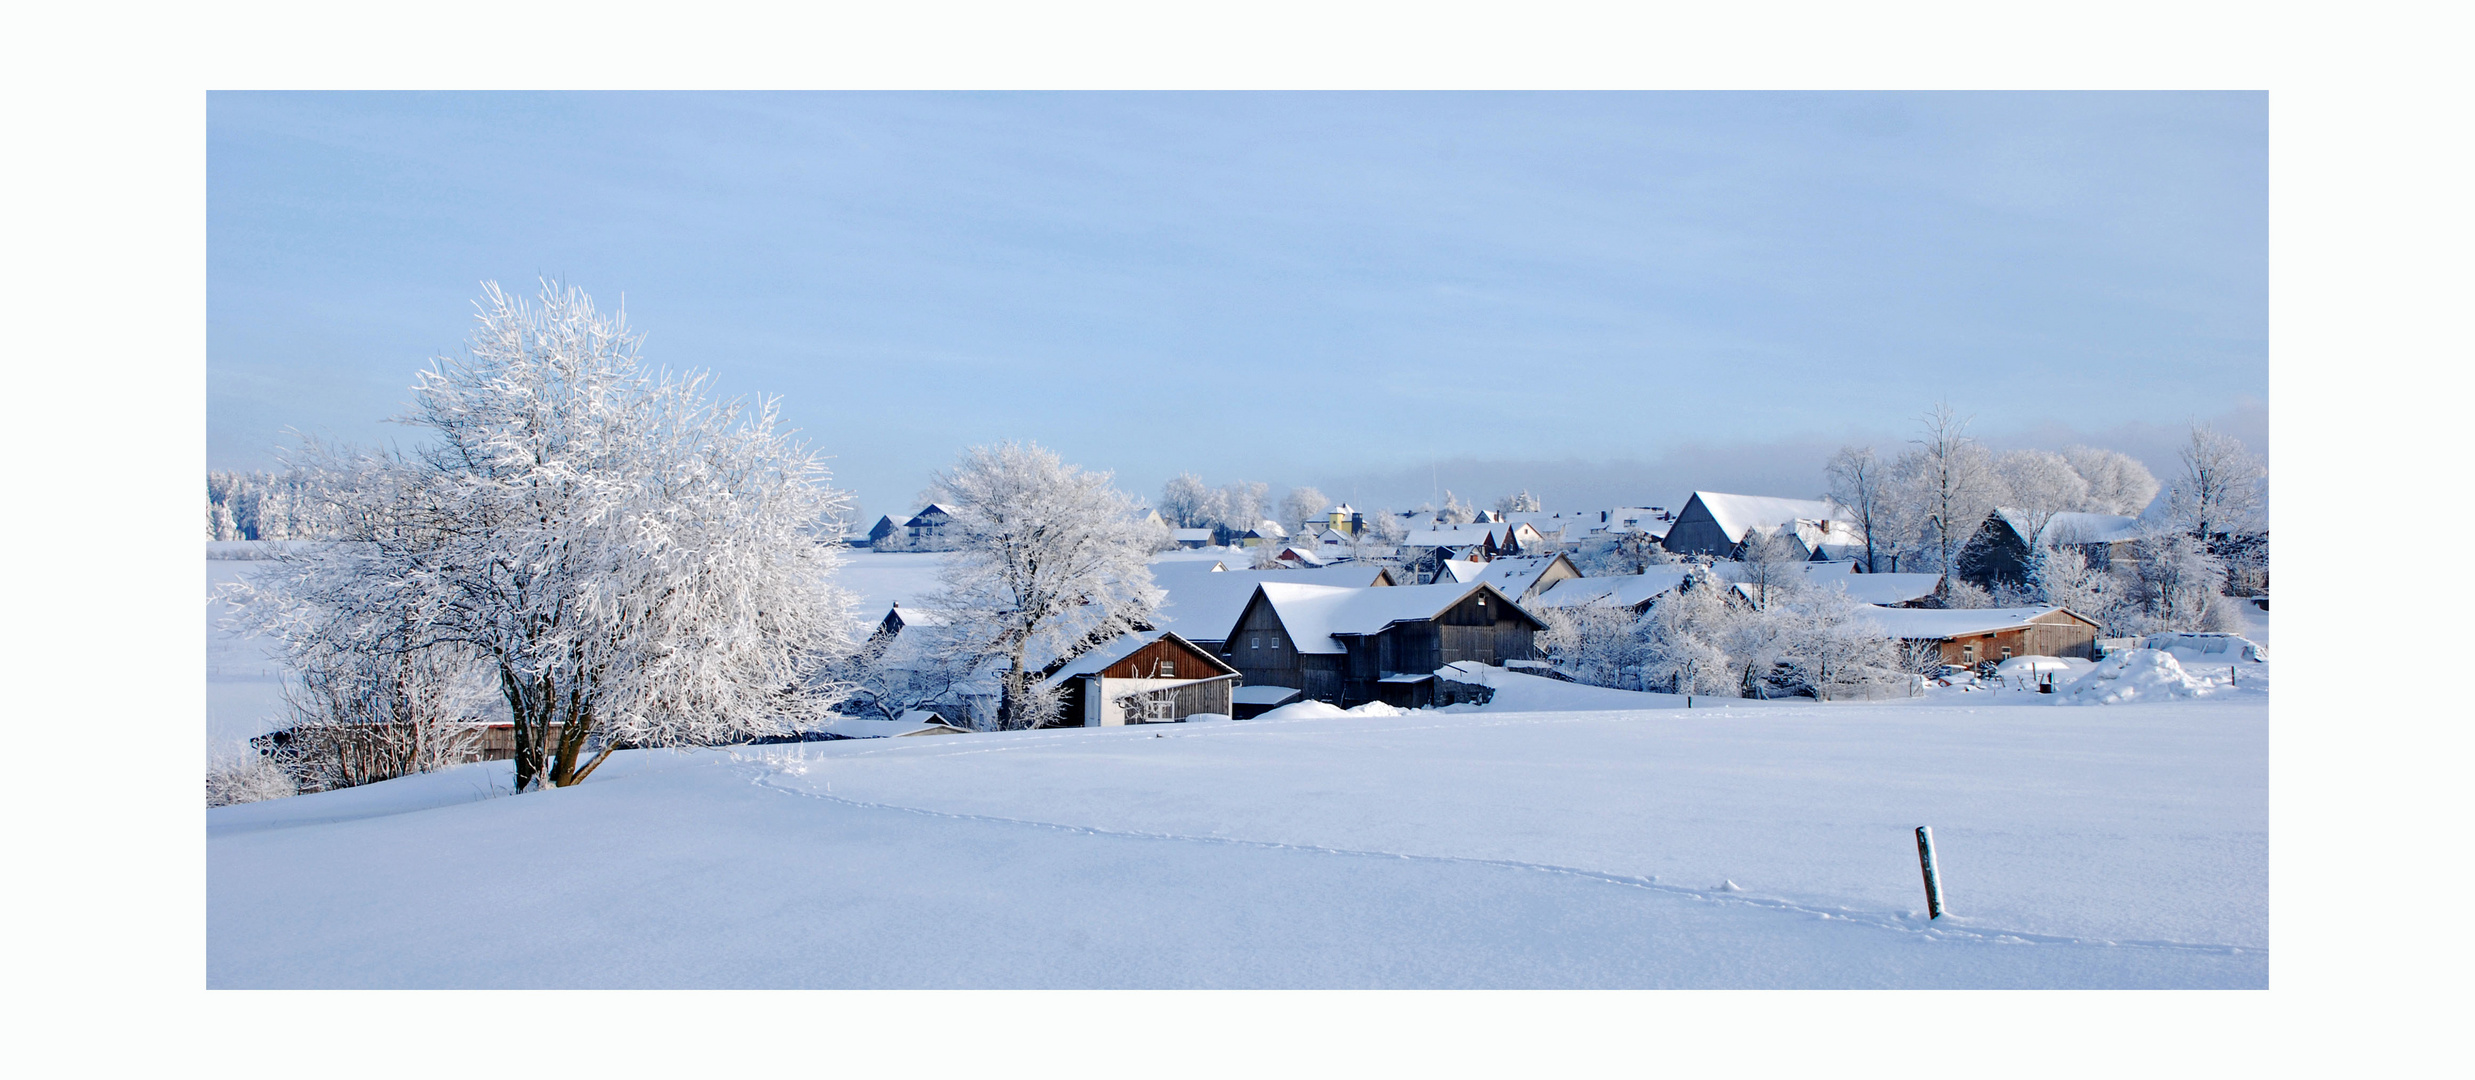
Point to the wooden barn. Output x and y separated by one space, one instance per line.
1351 646
1154 677
1999 552
1972 636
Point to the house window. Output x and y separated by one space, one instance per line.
2006 652
1968 654
1168 668
1254 642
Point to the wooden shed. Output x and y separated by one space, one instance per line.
1975 635
1144 678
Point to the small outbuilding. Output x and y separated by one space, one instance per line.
1970 636
1152 677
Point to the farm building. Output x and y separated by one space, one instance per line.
1716 524
1998 553
1143 678
1352 646
1204 598
1524 577
926 530
1974 635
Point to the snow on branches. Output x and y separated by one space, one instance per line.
1050 562
635 562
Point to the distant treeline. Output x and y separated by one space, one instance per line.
291 505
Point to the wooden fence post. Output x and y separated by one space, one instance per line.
1933 876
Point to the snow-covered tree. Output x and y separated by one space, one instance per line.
1235 507
1594 645
1049 565
1519 503
246 776
1685 638
2222 488
1860 482
1828 647
636 562
2062 577
2178 585
2038 484
1184 502
1632 552
2117 484
926 666
1455 512
1303 512
1767 565
1947 484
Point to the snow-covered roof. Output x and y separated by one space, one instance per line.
1268 529
1263 695
1300 555
1738 513
1451 536
1313 613
913 616
1203 603
2077 528
1930 623
1460 570
1883 589
1127 645
1645 519
1183 535
1621 590
1514 576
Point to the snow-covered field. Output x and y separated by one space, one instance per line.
1562 836
2122 846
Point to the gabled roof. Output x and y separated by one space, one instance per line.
1458 571
931 508
1883 589
899 615
1928 624
1514 576
1203 603
1622 590
1127 645
1314 613
1268 529
2077 528
1738 513
1183 535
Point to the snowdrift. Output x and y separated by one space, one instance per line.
1317 710
2136 675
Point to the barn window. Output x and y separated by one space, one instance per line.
1254 642
1168 668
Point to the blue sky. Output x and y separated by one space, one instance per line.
1608 298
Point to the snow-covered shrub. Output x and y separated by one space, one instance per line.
1594 645
246 778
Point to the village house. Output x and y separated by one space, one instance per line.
1524 577
2000 552
1351 646
1717 524
1201 600
1151 677
926 530
1969 636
